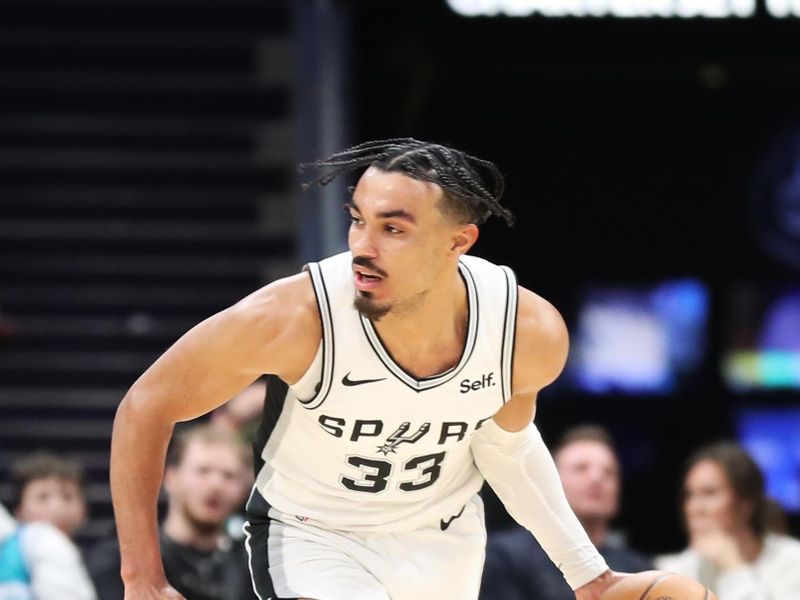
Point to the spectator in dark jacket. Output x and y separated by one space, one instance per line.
203 480
516 566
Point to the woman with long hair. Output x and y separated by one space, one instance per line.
726 514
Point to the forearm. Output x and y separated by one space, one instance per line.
138 449
520 470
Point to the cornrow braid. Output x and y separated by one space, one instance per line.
472 197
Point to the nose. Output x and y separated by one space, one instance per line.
58 510
595 475
215 479
693 505
362 243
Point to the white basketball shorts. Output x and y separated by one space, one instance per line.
293 558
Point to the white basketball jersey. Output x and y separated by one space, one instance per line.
376 449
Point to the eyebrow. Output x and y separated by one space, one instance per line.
398 213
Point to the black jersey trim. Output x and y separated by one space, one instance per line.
256 542
257 533
434 381
509 333
474 305
326 321
277 389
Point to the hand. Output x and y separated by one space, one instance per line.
595 588
718 548
151 592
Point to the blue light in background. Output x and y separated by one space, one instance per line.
640 339
772 437
771 358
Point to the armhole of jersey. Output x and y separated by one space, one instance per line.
323 304
509 332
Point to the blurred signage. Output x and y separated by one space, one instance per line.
639 339
623 8
774 199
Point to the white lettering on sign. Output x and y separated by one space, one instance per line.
783 8
622 8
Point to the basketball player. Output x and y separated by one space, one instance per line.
404 372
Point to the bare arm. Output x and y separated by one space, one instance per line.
540 352
275 330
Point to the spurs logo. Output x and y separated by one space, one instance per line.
398 437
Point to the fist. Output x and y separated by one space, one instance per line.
719 548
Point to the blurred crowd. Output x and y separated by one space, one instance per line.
207 477
737 543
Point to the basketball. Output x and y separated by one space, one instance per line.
658 585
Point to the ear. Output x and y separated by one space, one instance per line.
464 237
84 512
169 479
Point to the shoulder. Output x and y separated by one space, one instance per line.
777 564
782 547
541 343
285 303
41 540
539 319
282 316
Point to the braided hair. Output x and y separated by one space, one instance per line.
462 177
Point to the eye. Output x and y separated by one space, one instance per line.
354 218
393 229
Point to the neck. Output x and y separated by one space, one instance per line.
428 337
596 529
181 530
750 545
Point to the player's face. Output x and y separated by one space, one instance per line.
400 240
710 503
590 474
54 500
207 485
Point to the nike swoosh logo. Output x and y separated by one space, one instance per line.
347 381
446 524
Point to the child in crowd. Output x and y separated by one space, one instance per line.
50 488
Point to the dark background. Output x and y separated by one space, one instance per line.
630 148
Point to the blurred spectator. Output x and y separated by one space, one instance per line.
516 566
39 562
726 515
48 487
242 413
203 482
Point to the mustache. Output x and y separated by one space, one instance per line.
363 261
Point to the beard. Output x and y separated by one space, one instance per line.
365 304
368 308
200 525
